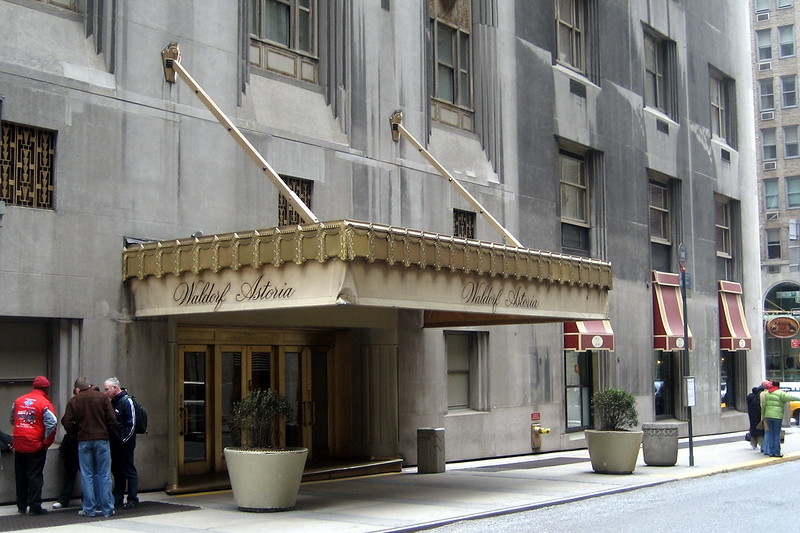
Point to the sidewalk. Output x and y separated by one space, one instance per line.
409 501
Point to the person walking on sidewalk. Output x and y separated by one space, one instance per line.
123 444
754 414
772 407
35 424
91 419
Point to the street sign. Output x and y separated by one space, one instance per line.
787 294
682 256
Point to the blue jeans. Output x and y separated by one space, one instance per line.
95 461
772 437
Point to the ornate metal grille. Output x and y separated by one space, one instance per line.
287 216
26 166
463 224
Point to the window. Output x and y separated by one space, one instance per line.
287 216
728 379
774 243
771 199
764 38
578 388
782 3
662 209
466 370
452 63
723 225
659 213
283 37
792 192
766 94
26 166
463 224
789 91
762 5
791 146
786 40
723 96
660 89
769 146
574 205
664 384
570 33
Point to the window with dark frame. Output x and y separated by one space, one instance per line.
283 37
451 24
570 33
774 243
661 209
724 239
771 196
464 224
27 158
723 107
660 83
574 191
287 215
578 389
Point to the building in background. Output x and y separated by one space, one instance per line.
775 70
138 239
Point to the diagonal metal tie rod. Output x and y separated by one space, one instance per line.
171 58
397 129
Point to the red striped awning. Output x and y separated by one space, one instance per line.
733 332
588 335
668 312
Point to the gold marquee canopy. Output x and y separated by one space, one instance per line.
456 281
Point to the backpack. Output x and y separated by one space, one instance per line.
140 415
5 442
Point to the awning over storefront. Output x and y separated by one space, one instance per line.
586 335
668 334
733 332
455 281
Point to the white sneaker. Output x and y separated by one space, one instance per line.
57 505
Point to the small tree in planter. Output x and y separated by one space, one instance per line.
614 448
256 418
263 476
615 409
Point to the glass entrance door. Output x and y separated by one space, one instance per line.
214 379
305 384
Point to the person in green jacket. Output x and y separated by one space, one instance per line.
773 402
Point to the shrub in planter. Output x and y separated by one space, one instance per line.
615 409
264 477
614 448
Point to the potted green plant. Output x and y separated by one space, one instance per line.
264 477
614 446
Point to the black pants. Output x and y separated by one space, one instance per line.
29 473
124 472
69 462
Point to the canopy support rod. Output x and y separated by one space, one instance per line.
397 129
171 57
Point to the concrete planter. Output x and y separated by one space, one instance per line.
613 452
660 444
265 480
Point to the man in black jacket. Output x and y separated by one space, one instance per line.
123 444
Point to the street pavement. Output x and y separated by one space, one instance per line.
408 501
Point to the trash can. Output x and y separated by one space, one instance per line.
430 450
660 444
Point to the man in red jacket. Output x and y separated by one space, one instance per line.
35 423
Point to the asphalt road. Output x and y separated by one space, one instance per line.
761 499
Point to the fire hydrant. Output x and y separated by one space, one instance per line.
537 431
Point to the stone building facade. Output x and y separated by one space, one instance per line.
138 239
